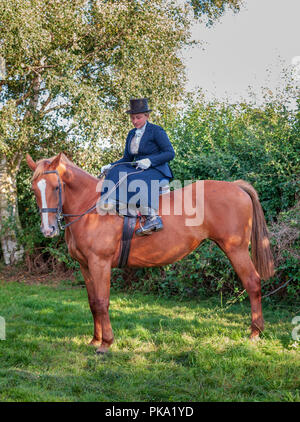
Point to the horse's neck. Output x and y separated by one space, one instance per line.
80 192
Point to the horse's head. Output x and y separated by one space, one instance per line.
48 188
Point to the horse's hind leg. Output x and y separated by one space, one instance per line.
243 265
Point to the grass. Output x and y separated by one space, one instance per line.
164 350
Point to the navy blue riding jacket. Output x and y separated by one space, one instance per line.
154 145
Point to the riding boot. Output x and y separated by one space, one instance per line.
153 223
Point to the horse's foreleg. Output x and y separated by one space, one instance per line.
97 338
98 292
250 279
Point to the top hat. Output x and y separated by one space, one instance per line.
139 106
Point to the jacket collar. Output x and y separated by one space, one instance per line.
143 128
148 126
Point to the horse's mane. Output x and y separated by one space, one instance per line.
45 162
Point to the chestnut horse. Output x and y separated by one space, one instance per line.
232 217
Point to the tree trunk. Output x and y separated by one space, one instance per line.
9 216
10 225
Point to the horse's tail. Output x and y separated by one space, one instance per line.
260 245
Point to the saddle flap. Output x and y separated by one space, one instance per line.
128 229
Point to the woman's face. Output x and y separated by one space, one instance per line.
138 120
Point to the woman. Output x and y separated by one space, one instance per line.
149 147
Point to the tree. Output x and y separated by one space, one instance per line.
214 9
70 69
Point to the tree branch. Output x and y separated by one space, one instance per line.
34 100
36 83
23 98
2 82
45 104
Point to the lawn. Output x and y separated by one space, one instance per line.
164 350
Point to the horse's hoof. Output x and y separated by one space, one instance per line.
255 338
102 350
95 343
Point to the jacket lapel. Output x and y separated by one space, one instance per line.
144 138
145 134
131 135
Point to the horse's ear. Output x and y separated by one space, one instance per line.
68 156
54 164
30 162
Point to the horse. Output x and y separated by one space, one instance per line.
232 217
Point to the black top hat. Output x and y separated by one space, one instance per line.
139 106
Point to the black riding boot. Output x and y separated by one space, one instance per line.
153 223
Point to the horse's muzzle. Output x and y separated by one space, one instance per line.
51 231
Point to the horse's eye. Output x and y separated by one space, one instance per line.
56 188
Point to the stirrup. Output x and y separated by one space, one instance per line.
142 232
155 228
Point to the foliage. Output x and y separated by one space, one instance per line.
222 141
71 68
286 245
214 9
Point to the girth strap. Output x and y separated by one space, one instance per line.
128 229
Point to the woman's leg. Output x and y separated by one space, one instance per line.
150 210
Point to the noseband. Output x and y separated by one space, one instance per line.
59 214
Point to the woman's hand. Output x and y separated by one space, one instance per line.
103 168
143 164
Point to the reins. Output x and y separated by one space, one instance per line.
59 211
106 195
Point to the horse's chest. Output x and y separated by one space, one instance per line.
71 243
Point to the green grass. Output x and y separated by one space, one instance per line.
164 350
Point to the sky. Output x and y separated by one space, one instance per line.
248 48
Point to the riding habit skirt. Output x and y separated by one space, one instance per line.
136 188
